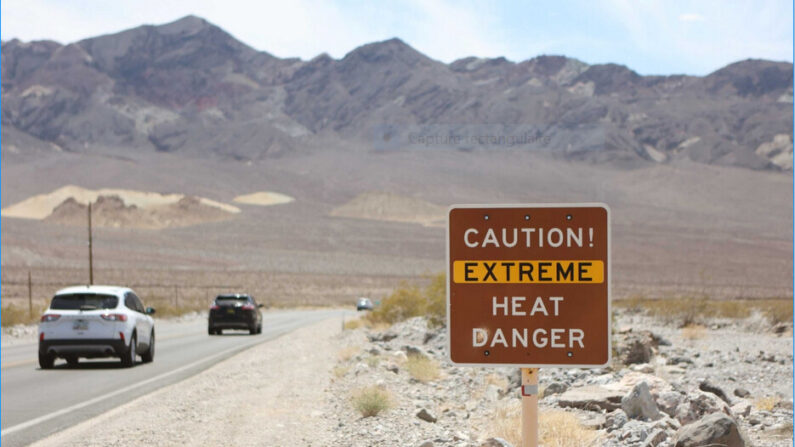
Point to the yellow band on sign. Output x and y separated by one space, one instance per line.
529 272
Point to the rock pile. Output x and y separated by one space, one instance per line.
646 398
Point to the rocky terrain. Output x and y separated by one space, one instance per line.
188 87
727 384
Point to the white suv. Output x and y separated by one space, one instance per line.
96 321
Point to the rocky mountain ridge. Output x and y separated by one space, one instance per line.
190 87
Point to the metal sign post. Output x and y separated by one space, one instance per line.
529 407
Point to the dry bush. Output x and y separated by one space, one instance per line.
409 301
436 294
373 361
370 401
496 379
555 428
766 403
694 332
561 429
777 311
12 315
693 311
347 353
353 324
506 423
340 371
422 368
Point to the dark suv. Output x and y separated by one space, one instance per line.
234 311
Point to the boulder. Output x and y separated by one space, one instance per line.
554 388
382 336
414 350
615 420
635 347
592 397
668 401
655 438
643 368
710 387
716 429
426 415
495 442
639 404
742 408
699 404
741 392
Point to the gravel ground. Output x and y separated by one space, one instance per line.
271 394
298 390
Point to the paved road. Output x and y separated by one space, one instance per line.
37 403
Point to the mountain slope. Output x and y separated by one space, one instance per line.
189 87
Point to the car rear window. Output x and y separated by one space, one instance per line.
231 299
75 301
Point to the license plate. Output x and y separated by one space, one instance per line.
230 311
80 325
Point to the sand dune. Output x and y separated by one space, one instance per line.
392 207
40 206
264 198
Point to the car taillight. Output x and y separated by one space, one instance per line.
114 317
46 318
214 307
41 336
248 307
121 335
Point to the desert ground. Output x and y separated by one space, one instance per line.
677 230
393 385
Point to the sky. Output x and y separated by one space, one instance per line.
649 36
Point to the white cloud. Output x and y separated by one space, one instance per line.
691 17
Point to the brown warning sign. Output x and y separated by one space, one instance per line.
529 285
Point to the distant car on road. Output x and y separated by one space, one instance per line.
234 311
364 304
96 321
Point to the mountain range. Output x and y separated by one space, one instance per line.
190 88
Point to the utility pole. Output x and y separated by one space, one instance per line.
90 249
30 296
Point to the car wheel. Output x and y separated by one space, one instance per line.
252 331
128 359
219 332
71 361
149 355
211 331
259 329
46 361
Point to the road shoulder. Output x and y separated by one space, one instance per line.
266 395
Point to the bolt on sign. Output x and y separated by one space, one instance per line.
529 285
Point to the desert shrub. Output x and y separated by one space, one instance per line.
766 403
409 301
694 332
561 429
353 324
436 294
370 401
340 371
422 368
555 428
12 315
347 353
694 311
777 311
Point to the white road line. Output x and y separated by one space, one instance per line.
66 410
7 365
